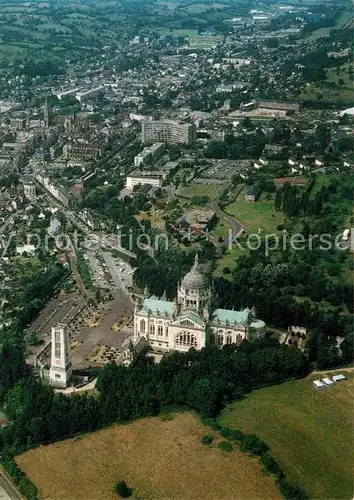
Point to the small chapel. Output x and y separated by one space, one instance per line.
190 320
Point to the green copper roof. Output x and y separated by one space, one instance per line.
257 324
232 317
192 316
156 306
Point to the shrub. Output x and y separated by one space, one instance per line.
237 435
291 491
123 490
225 446
271 464
212 422
253 444
207 439
225 432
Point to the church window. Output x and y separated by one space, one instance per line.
160 330
152 329
238 339
220 339
186 339
57 345
212 338
166 331
229 339
142 326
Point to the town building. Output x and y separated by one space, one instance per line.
294 181
90 94
58 192
149 154
67 93
60 366
144 177
168 131
197 221
190 320
82 151
29 188
253 193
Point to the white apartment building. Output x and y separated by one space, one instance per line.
140 177
90 94
168 131
148 154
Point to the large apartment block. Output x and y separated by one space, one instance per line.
168 131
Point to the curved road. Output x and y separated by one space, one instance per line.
236 227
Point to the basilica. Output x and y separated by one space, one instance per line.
190 320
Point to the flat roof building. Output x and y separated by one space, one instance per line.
90 94
168 131
141 177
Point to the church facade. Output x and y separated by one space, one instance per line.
190 321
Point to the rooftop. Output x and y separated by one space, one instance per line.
157 306
231 317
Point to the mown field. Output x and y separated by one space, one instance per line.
211 190
259 216
158 458
310 431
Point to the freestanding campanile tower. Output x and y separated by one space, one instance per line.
60 366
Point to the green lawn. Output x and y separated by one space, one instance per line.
310 432
259 216
204 41
222 228
178 32
343 74
211 190
228 260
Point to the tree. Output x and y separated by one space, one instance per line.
217 149
122 489
207 439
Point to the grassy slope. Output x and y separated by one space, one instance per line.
309 431
159 459
254 216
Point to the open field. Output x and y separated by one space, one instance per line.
159 458
323 32
178 32
204 41
229 260
211 190
343 74
154 216
327 93
310 431
197 8
259 216
222 228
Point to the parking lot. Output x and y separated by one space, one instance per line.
108 271
222 171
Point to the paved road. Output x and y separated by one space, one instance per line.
236 227
7 489
335 370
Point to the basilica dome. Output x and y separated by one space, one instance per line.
195 279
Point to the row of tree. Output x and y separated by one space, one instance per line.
203 380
